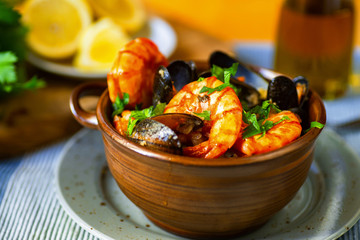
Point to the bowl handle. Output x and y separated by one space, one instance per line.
84 117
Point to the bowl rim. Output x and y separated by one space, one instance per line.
108 129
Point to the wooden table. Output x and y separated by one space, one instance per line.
35 118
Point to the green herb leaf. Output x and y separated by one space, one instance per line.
9 81
211 90
7 68
119 104
159 109
316 125
224 75
204 114
256 119
220 73
131 125
12 32
138 115
34 83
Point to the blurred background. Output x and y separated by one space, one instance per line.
72 41
49 47
230 19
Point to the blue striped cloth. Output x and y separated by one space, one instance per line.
29 208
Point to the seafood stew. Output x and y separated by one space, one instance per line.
175 108
198 197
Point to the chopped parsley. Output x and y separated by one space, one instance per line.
218 88
204 114
224 75
315 125
138 115
255 118
9 77
13 74
119 104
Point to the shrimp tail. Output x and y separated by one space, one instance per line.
199 151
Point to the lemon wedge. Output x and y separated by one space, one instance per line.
55 26
99 45
130 14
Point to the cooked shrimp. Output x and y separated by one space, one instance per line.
133 71
225 115
121 122
278 136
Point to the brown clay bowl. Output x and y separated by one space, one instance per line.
202 198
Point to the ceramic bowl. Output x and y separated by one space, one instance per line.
202 198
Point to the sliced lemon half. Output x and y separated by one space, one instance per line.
130 14
55 26
99 45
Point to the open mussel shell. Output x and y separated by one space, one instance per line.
182 73
153 134
224 60
177 74
247 94
180 122
163 86
282 91
193 68
161 132
302 87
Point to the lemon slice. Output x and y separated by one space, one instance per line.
130 14
99 45
55 26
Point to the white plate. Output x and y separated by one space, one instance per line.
326 206
158 30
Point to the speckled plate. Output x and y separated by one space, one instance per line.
157 29
326 206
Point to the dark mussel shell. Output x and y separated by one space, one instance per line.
160 132
282 91
163 86
177 74
194 75
247 94
180 122
153 134
302 86
182 73
224 60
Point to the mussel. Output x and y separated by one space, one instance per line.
163 86
176 75
248 94
282 91
162 132
287 93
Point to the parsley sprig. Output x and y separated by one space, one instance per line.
138 115
315 124
120 103
255 118
9 78
12 31
204 114
224 75
13 78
